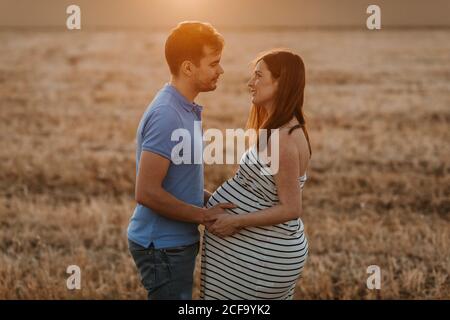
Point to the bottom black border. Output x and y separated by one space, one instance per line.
224 309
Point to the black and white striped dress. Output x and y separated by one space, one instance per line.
258 262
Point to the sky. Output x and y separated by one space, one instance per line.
229 13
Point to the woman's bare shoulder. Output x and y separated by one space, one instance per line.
296 140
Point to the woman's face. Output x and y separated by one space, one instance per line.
262 86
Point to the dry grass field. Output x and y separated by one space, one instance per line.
378 106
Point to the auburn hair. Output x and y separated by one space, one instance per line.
289 70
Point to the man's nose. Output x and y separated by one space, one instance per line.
221 71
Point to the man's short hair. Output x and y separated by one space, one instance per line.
186 42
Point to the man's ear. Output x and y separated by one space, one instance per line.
186 68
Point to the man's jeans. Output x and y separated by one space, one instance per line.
166 274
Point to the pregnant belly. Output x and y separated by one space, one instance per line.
246 202
231 192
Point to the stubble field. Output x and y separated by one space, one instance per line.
378 106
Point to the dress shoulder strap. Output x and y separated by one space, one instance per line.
294 127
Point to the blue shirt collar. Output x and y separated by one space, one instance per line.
189 106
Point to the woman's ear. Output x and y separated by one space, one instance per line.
275 82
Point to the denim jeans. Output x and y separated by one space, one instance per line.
166 274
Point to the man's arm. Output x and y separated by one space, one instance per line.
150 193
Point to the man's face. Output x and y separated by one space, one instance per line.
206 74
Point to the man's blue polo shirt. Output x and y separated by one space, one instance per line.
168 112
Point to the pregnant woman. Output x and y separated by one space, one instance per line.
258 250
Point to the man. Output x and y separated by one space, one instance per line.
163 231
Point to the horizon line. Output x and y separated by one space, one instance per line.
227 27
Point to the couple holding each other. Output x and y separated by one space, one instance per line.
254 245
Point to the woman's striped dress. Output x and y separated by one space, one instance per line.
258 262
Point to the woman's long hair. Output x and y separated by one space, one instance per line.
288 68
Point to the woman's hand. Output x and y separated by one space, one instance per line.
225 226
